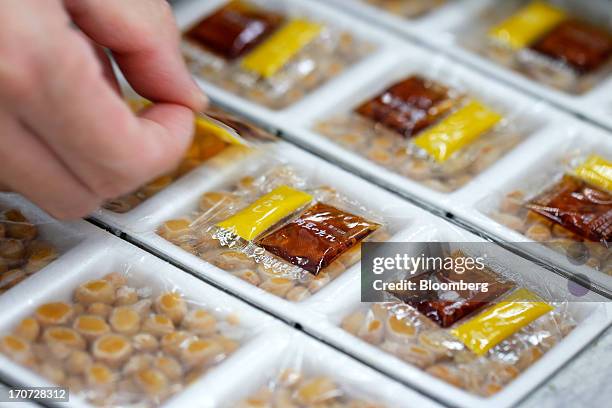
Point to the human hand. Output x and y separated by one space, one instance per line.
68 141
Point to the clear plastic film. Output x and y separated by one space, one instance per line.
130 337
303 373
407 8
564 44
293 387
269 52
29 240
220 138
278 230
478 341
430 128
568 206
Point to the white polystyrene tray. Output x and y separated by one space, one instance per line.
437 22
103 254
408 60
439 30
588 139
182 198
593 318
66 237
595 104
189 11
285 348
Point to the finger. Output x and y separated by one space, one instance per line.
105 62
93 132
145 43
31 169
107 68
58 90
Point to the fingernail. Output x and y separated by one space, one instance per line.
200 97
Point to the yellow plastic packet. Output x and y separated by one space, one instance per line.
283 45
497 323
266 211
206 124
597 171
525 26
457 130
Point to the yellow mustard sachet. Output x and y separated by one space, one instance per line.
597 171
497 323
457 130
527 25
284 44
206 125
266 211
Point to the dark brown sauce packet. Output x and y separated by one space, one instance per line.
235 29
317 237
577 206
408 106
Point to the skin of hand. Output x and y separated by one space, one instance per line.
68 141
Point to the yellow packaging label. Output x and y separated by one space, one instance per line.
597 171
266 211
501 321
457 130
525 26
206 124
283 45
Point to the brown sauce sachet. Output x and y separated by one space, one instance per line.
235 29
317 237
580 45
408 106
577 206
